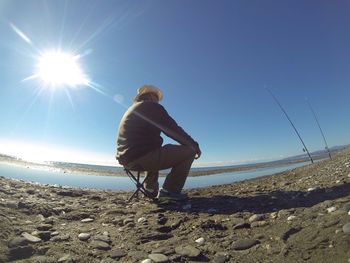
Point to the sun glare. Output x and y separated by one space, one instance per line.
58 69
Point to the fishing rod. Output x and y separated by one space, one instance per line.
319 126
290 121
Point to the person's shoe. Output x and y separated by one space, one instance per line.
164 195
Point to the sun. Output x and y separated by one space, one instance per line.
60 69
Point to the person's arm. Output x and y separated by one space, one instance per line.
171 129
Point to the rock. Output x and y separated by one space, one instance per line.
220 259
66 259
259 223
141 220
60 238
20 252
256 217
30 191
108 260
137 255
346 207
17 242
158 258
84 236
290 218
244 244
30 238
274 215
103 238
164 229
200 241
346 228
44 235
87 220
241 225
44 227
55 233
331 209
127 221
211 224
146 260
188 251
117 253
100 245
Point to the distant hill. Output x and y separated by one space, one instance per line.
316 154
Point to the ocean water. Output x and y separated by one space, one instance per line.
124 183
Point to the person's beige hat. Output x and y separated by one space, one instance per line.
150 89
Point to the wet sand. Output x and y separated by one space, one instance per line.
300 215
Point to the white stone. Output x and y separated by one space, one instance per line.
31 238
84 236
291 218
338 181
200 241
146 261
311 189
87 220
331 209
141 220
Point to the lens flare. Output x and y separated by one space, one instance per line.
57 69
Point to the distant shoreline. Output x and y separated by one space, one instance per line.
98 172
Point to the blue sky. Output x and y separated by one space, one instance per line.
212 59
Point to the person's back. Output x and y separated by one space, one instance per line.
139 143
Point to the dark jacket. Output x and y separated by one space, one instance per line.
140 128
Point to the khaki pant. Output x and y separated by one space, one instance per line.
177 157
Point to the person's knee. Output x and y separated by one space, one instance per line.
190 151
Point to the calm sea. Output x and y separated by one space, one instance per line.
124 183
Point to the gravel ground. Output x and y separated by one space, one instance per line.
302 215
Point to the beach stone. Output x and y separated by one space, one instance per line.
220 259
259 223
141 220
117 253
44 227
60 238
146 260
200 241
44 235
256 217
103 238
331 209
138 255
188 251
30 238
241 225
84 236
17 242
245 244
159 258
290 218
100 245
108 260
164 229
127 221
346 207
65 258
87 220
346 228
21 252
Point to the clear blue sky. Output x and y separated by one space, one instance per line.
212 59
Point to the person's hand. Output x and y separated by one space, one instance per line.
198 154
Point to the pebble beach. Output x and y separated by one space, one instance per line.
301 215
